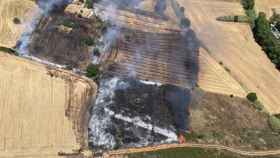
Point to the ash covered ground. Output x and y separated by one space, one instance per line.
131 113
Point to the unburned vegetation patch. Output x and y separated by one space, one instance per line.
231 121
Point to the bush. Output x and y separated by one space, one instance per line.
16 20
96 52
252 97
70 23
185 22
182 9
88 41
92 70
248 4
274 123
89 4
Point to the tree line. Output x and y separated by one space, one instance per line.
261 27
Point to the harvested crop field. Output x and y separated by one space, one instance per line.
43 110
9 9
233 46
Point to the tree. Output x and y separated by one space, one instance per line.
262 28
252 97
16 20
185 23
92 71
265 38
89 4
248 4
275 19
278 25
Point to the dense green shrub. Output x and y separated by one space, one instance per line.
248 4
89 41
92 70
252 97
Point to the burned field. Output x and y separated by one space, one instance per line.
132 113
66 39
131 109
169 58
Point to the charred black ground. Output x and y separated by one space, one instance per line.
139 114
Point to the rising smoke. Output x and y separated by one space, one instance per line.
107 10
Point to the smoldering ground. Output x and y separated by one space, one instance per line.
44 8
132 113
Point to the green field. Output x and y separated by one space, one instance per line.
191 153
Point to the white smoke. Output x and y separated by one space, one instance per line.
29 28
137 121
99 120
107 10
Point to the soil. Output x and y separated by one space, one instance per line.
230 121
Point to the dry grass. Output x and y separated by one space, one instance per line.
9 9
43 111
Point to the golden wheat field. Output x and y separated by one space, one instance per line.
43 111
